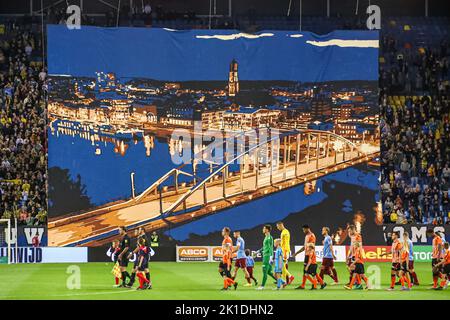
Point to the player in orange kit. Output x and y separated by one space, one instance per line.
357 266
436 256
311 268
355 236
396 248
310 238
226 240
226 267
445 264
403 273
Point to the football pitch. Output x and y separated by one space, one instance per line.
176 281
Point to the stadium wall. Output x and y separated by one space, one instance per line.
98 254
25 235
417 232
32 255
46 255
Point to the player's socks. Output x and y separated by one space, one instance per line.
408 282
304 280
334 276
414 278
143 278
288 274
279 282
124 277
248 280
322 273
117 280
312 280
402 281
365 279
225 283
132 278
392 281
352 282
141 283
435 281
230 281
319 279
358 280
147 275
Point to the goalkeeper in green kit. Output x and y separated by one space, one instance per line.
267 256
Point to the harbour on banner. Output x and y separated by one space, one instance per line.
286 160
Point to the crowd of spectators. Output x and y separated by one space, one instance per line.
415 133
23 154
414 70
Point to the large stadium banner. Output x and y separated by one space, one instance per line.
185 132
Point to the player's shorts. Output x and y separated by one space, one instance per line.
143 266
305 262
241 263
327 263
396 266
250 271
222 265
312 270
224 270
359 268
434 262
123 262
446 270
411 264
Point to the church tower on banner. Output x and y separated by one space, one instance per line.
233 81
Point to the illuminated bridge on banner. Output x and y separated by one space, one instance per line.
285 160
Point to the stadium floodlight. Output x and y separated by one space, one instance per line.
5 238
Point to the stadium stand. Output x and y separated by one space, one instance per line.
23 156
414 105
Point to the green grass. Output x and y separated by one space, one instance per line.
187 281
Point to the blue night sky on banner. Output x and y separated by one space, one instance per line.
164 54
